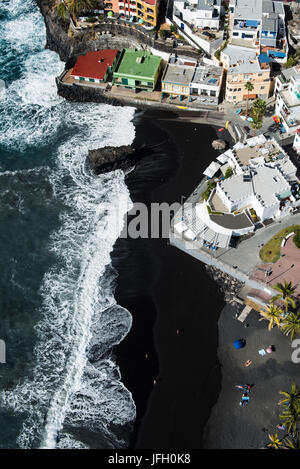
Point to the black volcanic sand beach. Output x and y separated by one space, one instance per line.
231 426
174 303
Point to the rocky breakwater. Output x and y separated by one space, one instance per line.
228 285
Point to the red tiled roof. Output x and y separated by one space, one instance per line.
150 2
94 64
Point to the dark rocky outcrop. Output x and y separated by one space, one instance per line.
219 144
82 94
110 158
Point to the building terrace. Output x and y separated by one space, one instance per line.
263 187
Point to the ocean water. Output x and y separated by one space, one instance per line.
60 386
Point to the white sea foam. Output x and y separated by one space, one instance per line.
79 311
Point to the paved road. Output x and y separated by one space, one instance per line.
246 255
242 261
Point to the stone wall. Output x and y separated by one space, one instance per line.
120 35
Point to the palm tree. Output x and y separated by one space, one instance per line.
249 87
272 314
258 108
62 10
286 291
275 442
291 324
290 417
291 398
77 6
293 443
256 124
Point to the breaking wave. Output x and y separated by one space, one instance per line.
75 389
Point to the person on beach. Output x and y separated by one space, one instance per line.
245 399
280 427
245 387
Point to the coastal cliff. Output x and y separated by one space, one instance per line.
68 46
110 34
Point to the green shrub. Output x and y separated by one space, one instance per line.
164 34
218 53
291 61
210 186
228 173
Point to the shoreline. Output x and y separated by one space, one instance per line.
159 285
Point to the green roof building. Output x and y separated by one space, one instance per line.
137 70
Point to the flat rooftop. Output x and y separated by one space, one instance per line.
94 64
265 183
208 4
181 74
290 98
232 222
208 75
269 24
260 150
138 63
246 68
238 55
250 10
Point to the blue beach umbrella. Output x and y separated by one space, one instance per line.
239 343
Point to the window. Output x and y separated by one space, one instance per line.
234 97
262 87
91 79
124 81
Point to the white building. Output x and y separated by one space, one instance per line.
193 17
232 56
260 24
296 144
282 81
200 14
287 106
263 187
206 84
